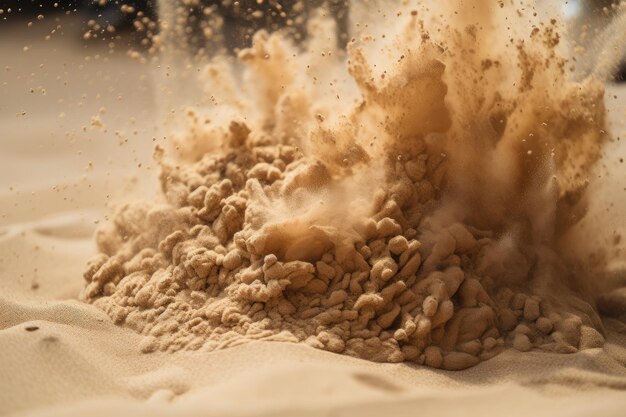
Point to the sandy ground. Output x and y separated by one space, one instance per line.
59 176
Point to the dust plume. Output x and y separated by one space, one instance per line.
403 200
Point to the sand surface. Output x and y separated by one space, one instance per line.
62 357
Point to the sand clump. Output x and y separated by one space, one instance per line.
417 216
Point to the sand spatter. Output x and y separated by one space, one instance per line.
420 225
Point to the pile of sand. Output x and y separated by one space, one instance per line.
419 217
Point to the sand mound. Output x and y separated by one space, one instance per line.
411 212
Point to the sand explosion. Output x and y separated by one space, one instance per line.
412 210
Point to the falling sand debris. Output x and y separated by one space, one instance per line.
405 200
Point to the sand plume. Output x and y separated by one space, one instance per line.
412 210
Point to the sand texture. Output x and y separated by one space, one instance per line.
84 327
77 362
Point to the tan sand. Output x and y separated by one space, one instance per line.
424 219
64 357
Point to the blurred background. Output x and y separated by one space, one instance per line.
233 22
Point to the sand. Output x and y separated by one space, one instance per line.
64 357
421 216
